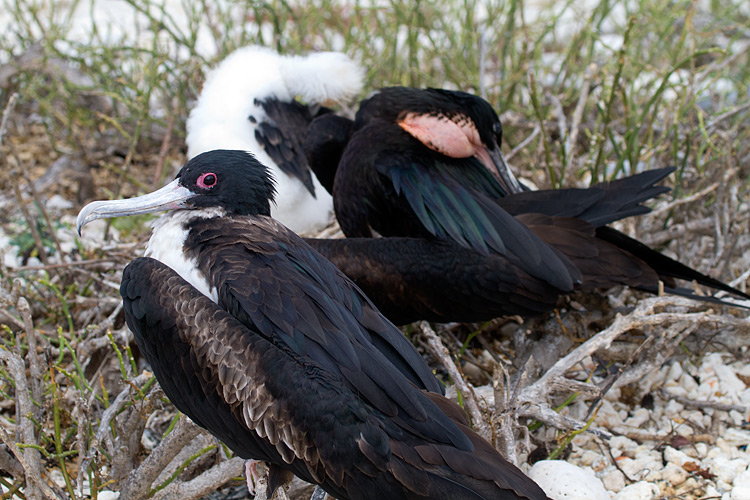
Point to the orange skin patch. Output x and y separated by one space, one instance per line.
456 137
441 134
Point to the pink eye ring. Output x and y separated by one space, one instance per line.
207 180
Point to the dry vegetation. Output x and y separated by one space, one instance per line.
585 94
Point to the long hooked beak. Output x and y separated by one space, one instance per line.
171 196
506 177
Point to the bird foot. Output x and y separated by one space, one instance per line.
258 481
252 475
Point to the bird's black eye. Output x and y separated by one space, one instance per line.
207 180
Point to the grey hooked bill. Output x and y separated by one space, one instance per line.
171 196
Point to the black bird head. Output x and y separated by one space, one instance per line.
454 123
393 103
477 109
232 180
325 140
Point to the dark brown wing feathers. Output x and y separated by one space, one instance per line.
267 402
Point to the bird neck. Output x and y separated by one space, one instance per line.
167 245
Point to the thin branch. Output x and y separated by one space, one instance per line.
162 160
31 476
30 457
724 116
469 398
682 201
205 483
641 316
140 480
109 414
537 130
6 114
572 139
702 404
35 371
505 421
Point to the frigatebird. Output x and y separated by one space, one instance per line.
426 164
262 341
250 102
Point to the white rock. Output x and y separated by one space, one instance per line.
676 457
622 443
674 474
581 440
741 489
673 408
675 372
654 379
92 235
108 495
737 437
675 389
712 492
709 382
743 479
639 417
736 417
685 431
614 480
613 395
696 416
8 252
67 237
608 416
638 491
643 467
563 481
57 202
714 452
729 382
688 382
744 397
588 457
726 470
148 442
57 477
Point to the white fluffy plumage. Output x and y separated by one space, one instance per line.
167 245
220 117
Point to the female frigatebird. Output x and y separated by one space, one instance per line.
249 102
262 341
426 163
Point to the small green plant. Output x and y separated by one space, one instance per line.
21 237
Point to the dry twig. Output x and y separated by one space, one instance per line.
467 392
29 458
207 482
138 483
702 404
104 423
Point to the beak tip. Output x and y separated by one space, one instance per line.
84 217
